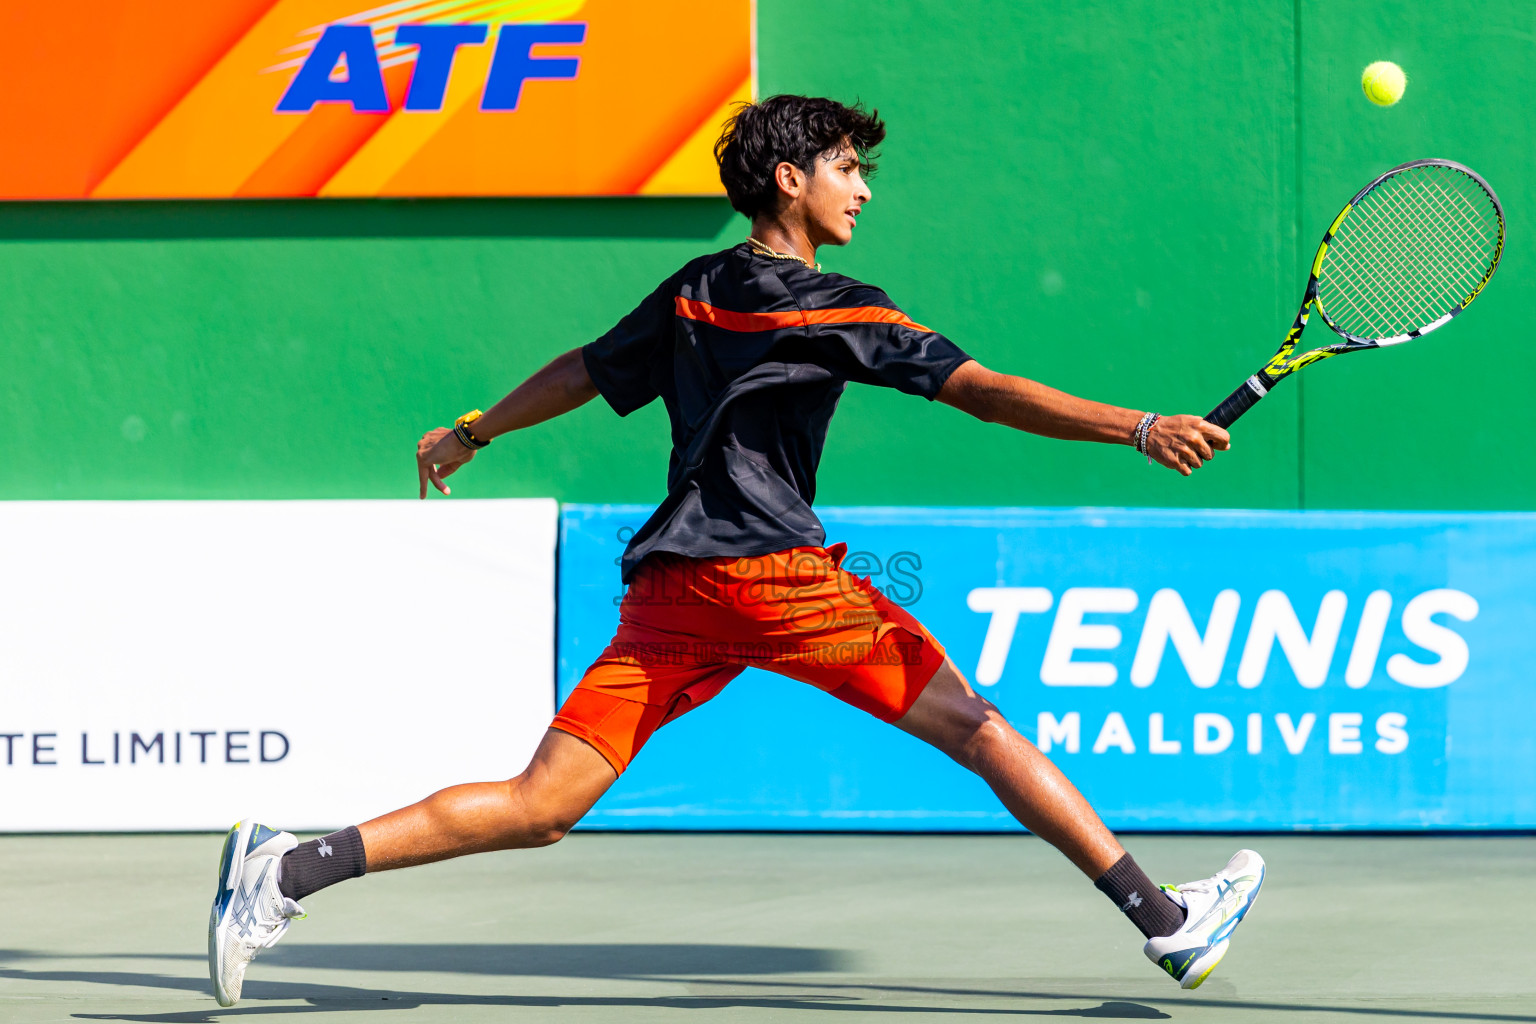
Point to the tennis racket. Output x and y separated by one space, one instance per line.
1408 253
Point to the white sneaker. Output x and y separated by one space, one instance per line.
249 913
1213 908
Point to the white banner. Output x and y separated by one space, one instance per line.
179 665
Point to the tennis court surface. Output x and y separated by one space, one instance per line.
607 927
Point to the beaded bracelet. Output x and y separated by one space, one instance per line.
461 430
1144 432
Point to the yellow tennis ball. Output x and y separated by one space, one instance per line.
1383 83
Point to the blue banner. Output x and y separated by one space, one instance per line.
1187 670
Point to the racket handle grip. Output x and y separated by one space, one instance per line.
1238 402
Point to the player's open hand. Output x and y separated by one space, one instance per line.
1186 443
440 453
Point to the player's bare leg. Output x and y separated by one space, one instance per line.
537 808
1188 927
953 717
263 872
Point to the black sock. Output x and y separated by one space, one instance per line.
310 867
1138 899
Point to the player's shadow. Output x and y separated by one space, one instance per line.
669 963
213 1015
747 969
634 217
564 960
512 959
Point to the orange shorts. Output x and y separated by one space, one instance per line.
688 626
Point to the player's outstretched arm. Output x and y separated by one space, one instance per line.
558 388
1183 443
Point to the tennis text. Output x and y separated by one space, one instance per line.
1077 651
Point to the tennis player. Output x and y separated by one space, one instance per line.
749 349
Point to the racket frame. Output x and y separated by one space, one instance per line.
1283 363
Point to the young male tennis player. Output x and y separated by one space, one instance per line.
750 349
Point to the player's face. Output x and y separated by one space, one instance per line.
833 197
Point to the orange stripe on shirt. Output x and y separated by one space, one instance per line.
730 320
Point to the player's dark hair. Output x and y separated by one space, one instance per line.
788 129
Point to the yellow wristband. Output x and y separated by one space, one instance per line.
461 430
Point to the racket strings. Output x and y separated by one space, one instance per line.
1362 315
1457 270
1413 248
1403 215
1391 309
1348 290
1441 277
1472 271
1373 287
1380 264
1414 200
1411 285
1445 214
1454 198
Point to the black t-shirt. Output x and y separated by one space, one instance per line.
750 354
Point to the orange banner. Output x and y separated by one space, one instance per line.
159 99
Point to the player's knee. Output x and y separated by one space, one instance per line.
987 736
536 818
546 826
547 834
972 729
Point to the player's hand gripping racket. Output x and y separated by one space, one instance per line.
1409 252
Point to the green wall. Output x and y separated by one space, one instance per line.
1117 198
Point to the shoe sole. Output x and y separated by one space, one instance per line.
1252 902
234 846
1199 979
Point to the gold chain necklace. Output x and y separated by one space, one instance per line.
767 250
